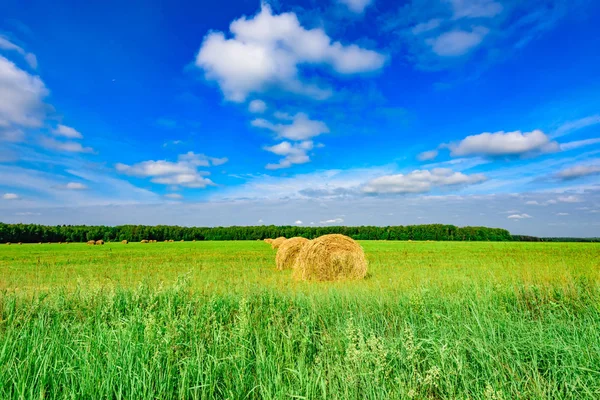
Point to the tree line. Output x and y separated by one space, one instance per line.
31 233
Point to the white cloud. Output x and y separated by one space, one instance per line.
10 196
356 6
12 135
578 171
293 153
301 128
519 216
428 26
71 147
420 181
332 221
298 222
503 144
532 203
578 143
184 172
174 196
67 131
21 96
73 186
475 8
30 58
266 50
572 126
569 199
257 106
457 42
562 214
427 155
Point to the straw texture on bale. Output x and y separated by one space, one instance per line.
268 241
288 252
329 258
277 242
99 241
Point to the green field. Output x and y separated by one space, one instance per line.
477 320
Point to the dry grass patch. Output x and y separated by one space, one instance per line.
288 252
330 258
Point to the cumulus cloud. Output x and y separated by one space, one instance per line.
420 181
457 42
67 131
266 50
569 199
298 222
356 6
519 216
503 144
578 171
427 155
257 106
293 153
30 58
21 96
10 196
301 128
332 221
184 172
71 147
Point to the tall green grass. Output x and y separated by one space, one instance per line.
431 321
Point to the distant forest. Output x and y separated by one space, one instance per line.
30 233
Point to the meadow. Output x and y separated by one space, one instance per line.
464 320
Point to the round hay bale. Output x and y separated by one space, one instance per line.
19 243
288 252
329 258
99 242
8 243
171 240
144 241
91 242
124 242
277 242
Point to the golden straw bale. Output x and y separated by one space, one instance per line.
144 241
99 242
288 252
124 242
277 242
91 242
329 258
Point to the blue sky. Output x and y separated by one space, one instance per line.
471 112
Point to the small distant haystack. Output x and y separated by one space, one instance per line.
330 258
99 242
277 242
194 240
166 241
288 252
124 242
40 243
181 240
91 242
144 241
269 241
8 243
171 240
